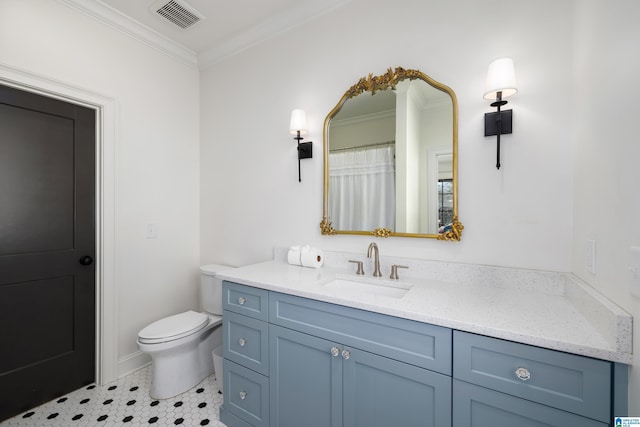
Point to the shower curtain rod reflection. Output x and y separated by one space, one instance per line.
355 147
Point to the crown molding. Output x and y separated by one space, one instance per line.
120 22
296 16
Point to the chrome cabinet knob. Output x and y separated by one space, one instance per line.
242 342
243 395
346 354
242 300
523 374
335 351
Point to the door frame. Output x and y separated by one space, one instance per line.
106 132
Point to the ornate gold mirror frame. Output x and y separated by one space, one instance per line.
373 84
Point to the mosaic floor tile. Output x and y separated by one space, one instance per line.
126 403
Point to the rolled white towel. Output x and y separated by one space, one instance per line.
293 256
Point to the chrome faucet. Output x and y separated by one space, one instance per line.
376 264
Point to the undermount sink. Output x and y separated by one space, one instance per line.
386 289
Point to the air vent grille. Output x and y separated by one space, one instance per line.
179 13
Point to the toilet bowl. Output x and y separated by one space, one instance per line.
181 346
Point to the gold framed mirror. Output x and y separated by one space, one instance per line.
391 159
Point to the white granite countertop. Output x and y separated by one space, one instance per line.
559 312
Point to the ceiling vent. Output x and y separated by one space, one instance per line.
178 13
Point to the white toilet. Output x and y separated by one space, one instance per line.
181 345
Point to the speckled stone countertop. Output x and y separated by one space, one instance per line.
545 309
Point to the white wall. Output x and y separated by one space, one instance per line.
607 153
157 148
518 216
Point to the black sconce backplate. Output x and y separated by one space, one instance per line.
305 150
491 122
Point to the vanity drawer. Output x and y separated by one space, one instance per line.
246 394
569 382
246 341
408 341
252 302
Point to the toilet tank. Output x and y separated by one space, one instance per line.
211 288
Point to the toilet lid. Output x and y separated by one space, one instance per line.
174 327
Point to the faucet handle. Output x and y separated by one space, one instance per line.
360 269
394 271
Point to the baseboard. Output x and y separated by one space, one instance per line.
132 362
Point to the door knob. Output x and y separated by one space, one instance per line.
86 260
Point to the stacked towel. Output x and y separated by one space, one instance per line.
306 256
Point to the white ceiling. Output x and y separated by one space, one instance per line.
230 26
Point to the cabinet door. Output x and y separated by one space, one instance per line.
382 392
305 380
477 406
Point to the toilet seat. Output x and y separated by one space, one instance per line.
173 327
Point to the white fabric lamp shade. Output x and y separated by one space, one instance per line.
298 122
501 77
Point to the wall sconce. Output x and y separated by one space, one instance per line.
298 127
501 83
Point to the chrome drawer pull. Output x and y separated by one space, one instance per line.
335 351
242 342
346 354
242 300
243 395
523 374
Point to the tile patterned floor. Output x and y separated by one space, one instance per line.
126 403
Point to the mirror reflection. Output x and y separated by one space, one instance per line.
390 159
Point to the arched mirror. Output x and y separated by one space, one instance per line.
390 159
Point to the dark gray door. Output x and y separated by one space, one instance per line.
47 246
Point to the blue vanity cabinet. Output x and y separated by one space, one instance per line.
291 361
498 382
321 375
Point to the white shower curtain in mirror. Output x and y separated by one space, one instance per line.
362 188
